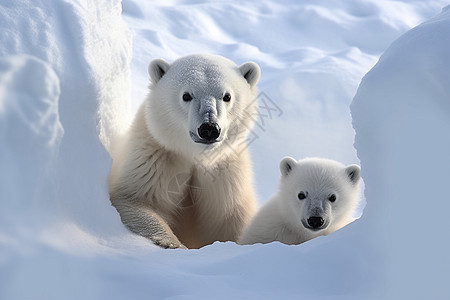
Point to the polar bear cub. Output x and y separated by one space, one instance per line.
315 197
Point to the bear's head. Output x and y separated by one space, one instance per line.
319 194
200 103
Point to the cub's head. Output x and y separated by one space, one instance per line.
319 194
201 102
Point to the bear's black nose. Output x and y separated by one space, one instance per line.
209 131
315 222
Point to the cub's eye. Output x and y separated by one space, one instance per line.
332 198
227 97
187 97
302 195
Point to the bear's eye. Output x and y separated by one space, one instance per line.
227 97
332 198
302 195
187 97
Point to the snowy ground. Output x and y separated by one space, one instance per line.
65 91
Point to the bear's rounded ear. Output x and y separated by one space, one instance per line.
286 165
353 172
157 68
251 72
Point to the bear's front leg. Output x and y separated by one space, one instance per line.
226 201
144 221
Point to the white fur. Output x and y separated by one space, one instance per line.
217 200
284 217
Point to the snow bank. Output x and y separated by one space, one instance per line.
401 115
30 133
57 73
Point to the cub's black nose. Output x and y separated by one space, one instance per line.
209 131
315 222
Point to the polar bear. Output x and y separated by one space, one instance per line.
182 175
315 197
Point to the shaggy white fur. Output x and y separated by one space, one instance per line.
315 197
182 176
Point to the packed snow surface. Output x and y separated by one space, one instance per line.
72 74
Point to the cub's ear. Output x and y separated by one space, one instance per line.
157 68
286 165
353 173
251 72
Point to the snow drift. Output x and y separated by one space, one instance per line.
401 114
63 84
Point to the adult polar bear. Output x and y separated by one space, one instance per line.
182 176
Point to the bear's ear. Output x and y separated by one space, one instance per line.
157 69
353 173
286 165
251 72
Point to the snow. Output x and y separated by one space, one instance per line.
401 113
58 98
72 73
